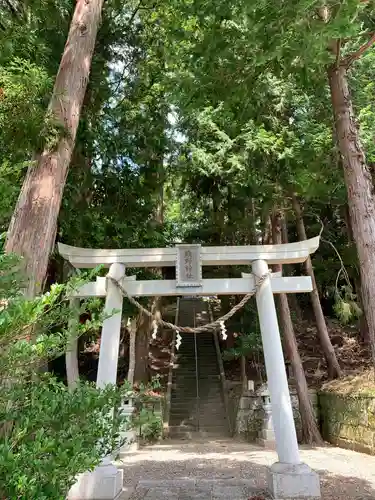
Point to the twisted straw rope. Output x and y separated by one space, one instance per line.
210 327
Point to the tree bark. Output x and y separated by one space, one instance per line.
243 373
292 299
359 187
132 348
333 366
243 361
310 430
363 326
71 360
142 341
32 230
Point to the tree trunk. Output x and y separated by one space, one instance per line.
71 355
333 367
32 230
310 430
243 373
142 341
293 300
362 323
132 343
71 360
359 188
218 216
243 360
267 233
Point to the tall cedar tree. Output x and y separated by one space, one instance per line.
358 180
32 230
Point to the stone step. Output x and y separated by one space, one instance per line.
182 432
192 396
199 424
191 368
183 376
203 359
189 411
196 358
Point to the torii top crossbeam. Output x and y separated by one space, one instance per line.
189 260
210 256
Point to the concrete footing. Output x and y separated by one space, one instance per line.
103 483
292 482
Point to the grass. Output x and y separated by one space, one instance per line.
351 385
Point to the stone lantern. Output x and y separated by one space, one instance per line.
266 435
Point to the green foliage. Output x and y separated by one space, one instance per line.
22 110
150 425
55 434
10 276
245 345
48 433
346 307
23 89
148 415
198 120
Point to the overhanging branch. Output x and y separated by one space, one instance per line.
349 60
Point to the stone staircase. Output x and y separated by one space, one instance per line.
196 402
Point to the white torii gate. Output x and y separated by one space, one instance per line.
289 477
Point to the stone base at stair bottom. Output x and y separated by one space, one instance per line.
267 439
268 444
292 482
103 483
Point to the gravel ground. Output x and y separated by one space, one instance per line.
344 474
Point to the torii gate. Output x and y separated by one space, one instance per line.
289 477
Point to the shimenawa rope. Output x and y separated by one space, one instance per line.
210 327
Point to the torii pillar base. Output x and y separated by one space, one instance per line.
103 483
293 482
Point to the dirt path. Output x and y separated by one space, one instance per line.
159 469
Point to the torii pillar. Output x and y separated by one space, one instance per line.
105 482
288 478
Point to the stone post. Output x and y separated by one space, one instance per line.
105 482
288 478
267 435
129 437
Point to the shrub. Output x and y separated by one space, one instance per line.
48 434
